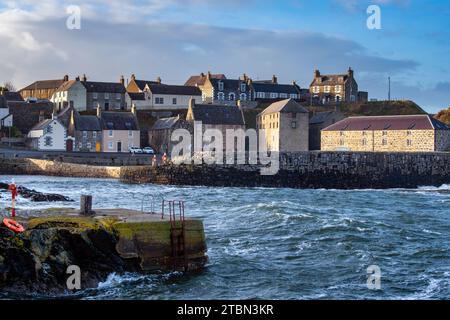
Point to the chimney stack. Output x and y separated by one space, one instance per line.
77 78
133 77
84 79
274 79
159 80
122 80
202 75
316 73
209 75
350 72
66 78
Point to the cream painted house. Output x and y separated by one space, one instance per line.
48 135
157 96
120 130
402 133
286 126
70 93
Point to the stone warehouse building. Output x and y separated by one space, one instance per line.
412 133
286 125
335 88
42 89
161 133
318 122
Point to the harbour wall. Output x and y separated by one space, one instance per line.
330 170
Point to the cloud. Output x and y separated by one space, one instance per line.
37 45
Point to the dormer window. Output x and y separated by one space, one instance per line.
221 86
243 87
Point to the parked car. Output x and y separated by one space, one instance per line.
136 150
148 150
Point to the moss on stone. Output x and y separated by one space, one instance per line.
81 223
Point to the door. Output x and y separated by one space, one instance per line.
69 145
119 146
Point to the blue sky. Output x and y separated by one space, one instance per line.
174 38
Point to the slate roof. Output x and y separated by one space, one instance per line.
137 96
275 88
109 87
41 125
330 80
26 115
200 79
66 85
218 114
175 90
87 123
2 102
285 106
400 122
113 120
142 83
165 123
228 84
44 84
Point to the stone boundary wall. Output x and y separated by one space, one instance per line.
330 170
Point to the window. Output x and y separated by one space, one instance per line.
106 106
364 133
293 96
95 95
384 142
243 97
80 145
49 129
110 145
89 145
118 96
243 87
48 141
294 124
106 95
159 100
364 142
221 96
327 89
408 132
94 135
221 86
337 88
261 95
341 142
110 133
273 95
130 133
283 95
384 133
316 89
409 142
231 97
174 101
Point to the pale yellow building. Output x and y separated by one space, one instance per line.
402 133
286 126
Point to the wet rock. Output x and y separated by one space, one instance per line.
36 196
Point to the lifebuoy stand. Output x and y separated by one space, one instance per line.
12 187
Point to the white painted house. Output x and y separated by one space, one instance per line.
48 135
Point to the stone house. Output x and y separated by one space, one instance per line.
42 89
88 95
161 132
318 122
219 117
335 88
48 135
286 126
27 115
402 133
120 130
225 91
271 90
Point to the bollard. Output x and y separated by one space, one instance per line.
86 206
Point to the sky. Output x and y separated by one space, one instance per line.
174 39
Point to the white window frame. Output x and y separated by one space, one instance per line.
106 96
110 145
221 96
221 86
110 133
95 95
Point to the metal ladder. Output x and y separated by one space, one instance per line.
177 234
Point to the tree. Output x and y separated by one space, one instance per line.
9 86
444 116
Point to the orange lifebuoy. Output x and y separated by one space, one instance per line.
13 225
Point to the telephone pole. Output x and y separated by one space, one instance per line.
389 91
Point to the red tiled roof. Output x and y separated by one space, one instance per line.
400 122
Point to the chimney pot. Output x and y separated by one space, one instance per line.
122 80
